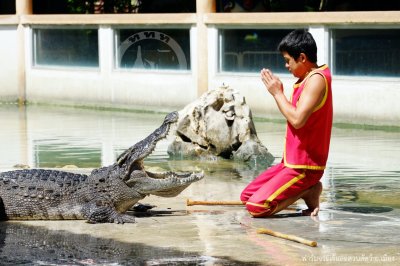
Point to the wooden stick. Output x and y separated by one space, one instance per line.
288 237
190 202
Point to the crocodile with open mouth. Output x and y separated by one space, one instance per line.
103 196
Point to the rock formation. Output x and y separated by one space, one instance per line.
218 125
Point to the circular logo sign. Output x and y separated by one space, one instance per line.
151 50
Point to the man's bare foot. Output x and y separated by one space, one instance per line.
311 198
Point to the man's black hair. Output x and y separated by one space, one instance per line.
299 41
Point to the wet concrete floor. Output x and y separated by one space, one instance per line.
358 224
175 234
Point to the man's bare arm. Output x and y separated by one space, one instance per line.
311 97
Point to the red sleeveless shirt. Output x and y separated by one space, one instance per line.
308 146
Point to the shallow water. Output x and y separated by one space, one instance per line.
363 166
363 173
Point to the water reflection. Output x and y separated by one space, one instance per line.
34 245
360 209
363 166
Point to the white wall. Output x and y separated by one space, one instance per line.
8 63
367 100
356 99
108 86
119 89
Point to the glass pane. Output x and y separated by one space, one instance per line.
153 49
248 50
372 52
66 47
7 7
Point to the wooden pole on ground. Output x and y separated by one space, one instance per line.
301 240
288 237
190 202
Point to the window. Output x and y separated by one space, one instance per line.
304 5
248 50
156 49
7 7
66 47
366 52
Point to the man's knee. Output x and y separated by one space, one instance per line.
245 195
263 214
261 210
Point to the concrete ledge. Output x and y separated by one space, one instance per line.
9 20
303 18
110 19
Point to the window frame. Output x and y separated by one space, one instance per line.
331 32
246 27
35 65
116 40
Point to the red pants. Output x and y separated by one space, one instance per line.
274 185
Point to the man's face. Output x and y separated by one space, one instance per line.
293 66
